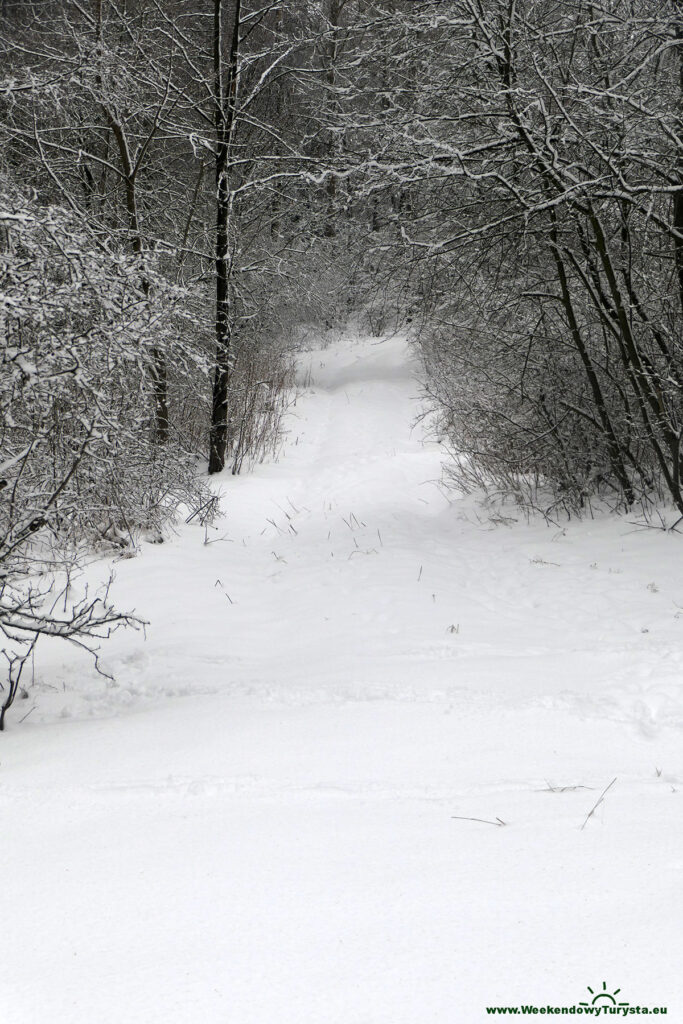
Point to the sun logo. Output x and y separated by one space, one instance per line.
603 998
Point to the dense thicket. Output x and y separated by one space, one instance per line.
165 216
537 148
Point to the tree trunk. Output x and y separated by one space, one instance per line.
225 97
129 169
330 229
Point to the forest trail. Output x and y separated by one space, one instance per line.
267 820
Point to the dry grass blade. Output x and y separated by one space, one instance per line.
498 823
561 789
597 803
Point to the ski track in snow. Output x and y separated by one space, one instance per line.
257 822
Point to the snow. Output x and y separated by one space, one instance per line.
264 820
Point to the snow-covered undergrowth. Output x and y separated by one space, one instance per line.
267 820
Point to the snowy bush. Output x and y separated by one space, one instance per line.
80 462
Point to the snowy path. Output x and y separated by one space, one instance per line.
256 824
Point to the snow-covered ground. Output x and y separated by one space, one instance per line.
267 819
